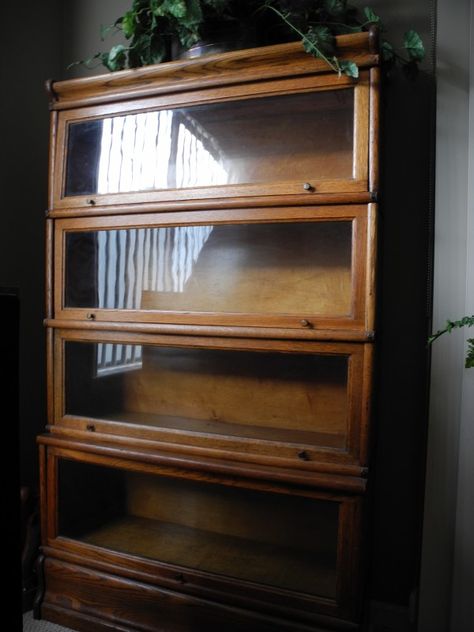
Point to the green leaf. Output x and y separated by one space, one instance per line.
105 30
178 8
335 8
188 37
85 62
129 24
349 68
157 49
140 53
469 364
147 49
466 321
138 5
116 58
317 40
388 53
371 16
414 46
194 12
171 8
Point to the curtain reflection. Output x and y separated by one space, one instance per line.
137 260
157 150
116 358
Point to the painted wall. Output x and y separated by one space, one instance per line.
31 53
81 33
448 549
51 35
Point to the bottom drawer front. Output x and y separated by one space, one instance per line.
279 540
88 600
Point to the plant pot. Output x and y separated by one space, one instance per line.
219 41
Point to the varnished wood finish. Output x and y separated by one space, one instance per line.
173 205
374 126
194 583
77 429
100 606
49 276
50 375
371 268
217 331
244 66
139 387
367 398
285 188
215 465
91 551
52 154
350 555
43 492
147 515
361 283
51 476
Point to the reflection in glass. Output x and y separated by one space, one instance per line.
289 137
280 268
113 358
280 540
136 150
258 395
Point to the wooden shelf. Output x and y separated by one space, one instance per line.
222 427
283 567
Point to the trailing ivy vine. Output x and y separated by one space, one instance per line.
149 27
467 321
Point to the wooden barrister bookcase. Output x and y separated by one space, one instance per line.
210 330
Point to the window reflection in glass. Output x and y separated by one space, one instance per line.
268 139
272 396
116 358
135 153
284 268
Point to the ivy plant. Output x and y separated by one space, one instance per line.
149 26
467 321
322 21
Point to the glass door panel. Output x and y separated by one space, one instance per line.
276 540
259 268
273 396
297 137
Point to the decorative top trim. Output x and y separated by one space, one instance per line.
242 66
49 87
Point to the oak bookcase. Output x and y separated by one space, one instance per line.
211 241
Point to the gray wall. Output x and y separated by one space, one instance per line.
448 543
39 40
30 54
81 33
